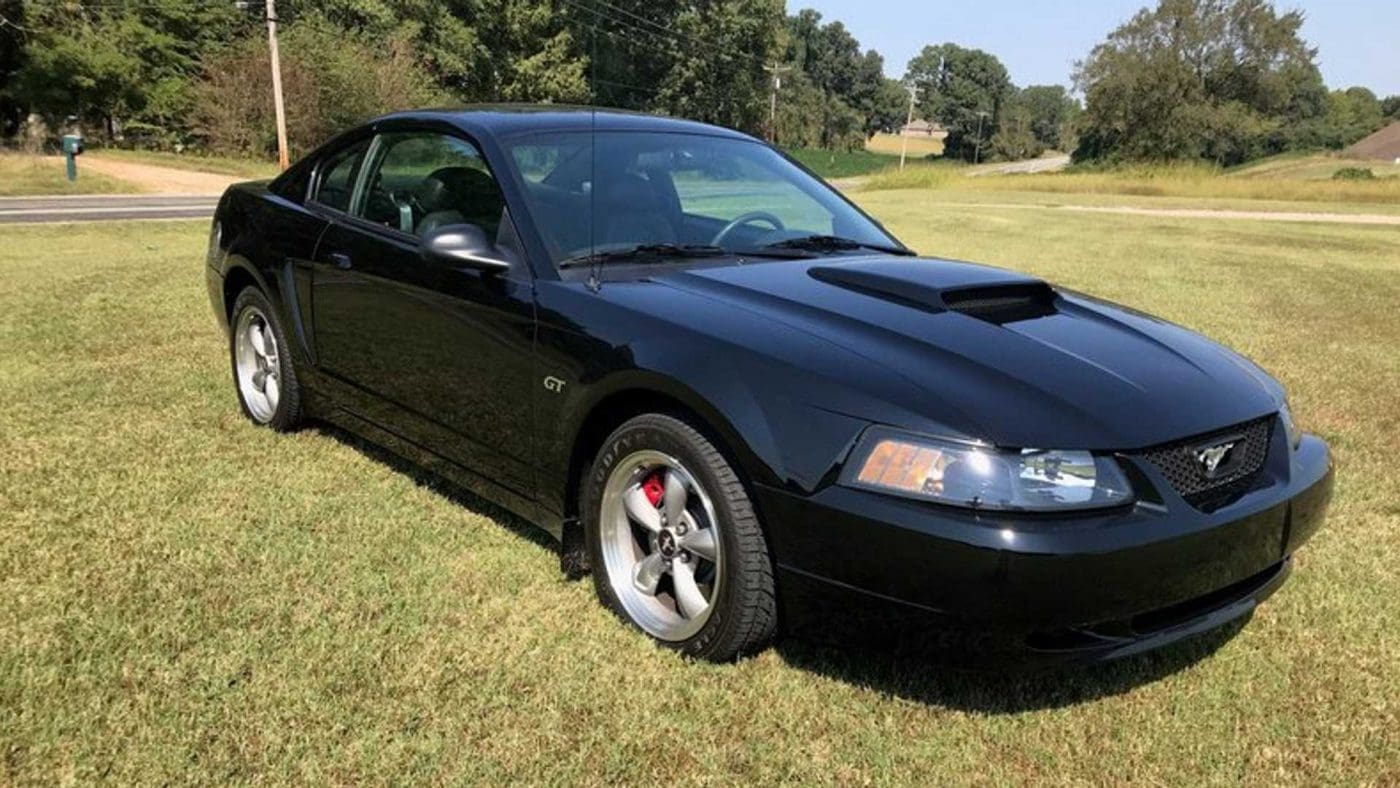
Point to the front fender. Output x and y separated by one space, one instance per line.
761 407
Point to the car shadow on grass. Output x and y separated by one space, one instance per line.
904 666
957 681
424 476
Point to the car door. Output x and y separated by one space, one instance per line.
439 354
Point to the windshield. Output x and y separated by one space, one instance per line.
596 192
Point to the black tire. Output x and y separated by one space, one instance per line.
743 620
288 413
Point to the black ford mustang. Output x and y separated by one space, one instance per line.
731 393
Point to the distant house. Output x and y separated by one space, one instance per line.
924 128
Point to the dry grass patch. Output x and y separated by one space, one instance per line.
1169 181
24 175
892 144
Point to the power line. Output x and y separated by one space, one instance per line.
697 41
657 31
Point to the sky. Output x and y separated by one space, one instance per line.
1039 40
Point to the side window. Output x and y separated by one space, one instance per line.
422 181
293 185
338 177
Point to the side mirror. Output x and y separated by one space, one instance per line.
464 245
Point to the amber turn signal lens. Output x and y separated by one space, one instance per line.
903 466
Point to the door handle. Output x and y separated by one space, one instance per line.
342 260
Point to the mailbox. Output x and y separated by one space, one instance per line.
72 148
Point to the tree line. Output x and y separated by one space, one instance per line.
1219 80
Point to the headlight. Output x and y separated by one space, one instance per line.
1290 427
1028 480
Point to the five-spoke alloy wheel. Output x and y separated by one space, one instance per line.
674 543
262 369
663 557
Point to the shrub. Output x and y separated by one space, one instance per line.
1354 174
332 79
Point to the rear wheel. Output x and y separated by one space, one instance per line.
263 374
674 543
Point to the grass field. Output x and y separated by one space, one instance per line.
1311 167
843 164
891 144
1187 181
185 598
27 175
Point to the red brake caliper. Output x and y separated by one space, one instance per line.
654 488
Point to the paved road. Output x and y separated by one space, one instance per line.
1029 166
99 208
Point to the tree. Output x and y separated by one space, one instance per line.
1351 114
963 89
1222 80
1390 107
121 66
855 98
1051 110
888 108
333 79
478 50
1016 138
882 101
12 32
692 58
720 78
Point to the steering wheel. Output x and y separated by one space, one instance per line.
743 219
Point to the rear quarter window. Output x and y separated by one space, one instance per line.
337 183
293 185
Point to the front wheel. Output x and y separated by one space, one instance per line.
674 543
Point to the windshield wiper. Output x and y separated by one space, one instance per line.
644 250
835 243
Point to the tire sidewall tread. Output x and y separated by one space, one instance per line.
744 619
288 414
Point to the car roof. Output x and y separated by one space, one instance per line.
505 120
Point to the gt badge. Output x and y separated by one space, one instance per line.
554 384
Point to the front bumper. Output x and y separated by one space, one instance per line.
1095 585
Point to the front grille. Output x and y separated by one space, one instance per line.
1187 474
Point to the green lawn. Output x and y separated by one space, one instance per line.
844 164
185 598
27 175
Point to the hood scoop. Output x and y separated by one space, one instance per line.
988 294
1004 303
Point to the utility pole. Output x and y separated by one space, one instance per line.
283 158
775 70
904 132
981 116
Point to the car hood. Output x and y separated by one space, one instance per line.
988 354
